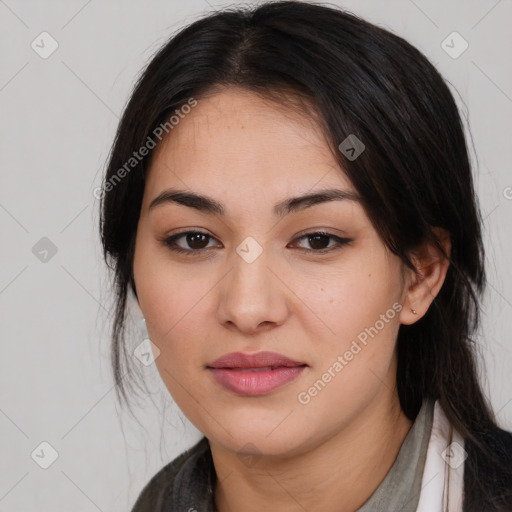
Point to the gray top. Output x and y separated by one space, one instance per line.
188 482
400 489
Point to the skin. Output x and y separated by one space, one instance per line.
248 154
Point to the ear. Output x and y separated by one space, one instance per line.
422 288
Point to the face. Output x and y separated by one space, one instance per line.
251 280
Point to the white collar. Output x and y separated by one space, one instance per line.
443 476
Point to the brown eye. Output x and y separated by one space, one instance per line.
195 242
319 242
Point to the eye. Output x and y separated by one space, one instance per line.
319 239
194 239
197 242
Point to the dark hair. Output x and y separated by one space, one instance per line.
414 174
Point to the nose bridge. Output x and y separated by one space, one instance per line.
251 294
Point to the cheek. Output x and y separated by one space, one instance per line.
173 311
173 300
157 287
162 290
172 307
357 296
357 362
361 309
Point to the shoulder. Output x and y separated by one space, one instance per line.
488 471
158 490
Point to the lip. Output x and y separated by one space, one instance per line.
255 374
257 360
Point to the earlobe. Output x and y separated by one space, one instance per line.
432 266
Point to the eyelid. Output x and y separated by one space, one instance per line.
324 231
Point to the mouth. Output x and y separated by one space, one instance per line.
258 369
255 374
259 360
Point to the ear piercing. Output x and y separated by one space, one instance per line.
414 312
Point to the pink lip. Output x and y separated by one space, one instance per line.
251 374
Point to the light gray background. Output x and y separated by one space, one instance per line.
58 117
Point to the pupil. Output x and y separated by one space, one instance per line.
315 239
195 238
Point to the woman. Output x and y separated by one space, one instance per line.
290 200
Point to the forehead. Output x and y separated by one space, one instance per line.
237 141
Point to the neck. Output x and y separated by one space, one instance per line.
338 475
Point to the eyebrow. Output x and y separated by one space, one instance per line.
211 206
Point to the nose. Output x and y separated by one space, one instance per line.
252 297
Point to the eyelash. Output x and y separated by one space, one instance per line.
170 242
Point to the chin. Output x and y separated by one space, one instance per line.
260 439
